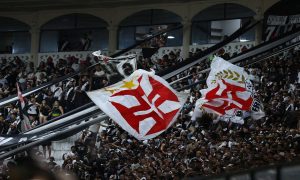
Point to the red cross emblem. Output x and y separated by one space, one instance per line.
157 102
227 96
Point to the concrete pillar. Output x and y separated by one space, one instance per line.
112 39
35 44
187 28
258 28
258 33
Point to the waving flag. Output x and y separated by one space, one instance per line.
143 104
229 94
125 65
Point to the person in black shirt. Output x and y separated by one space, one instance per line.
57 110
44 112
81 149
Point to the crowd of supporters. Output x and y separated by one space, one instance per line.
203 146
61 97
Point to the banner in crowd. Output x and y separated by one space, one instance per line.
111 59
125 65
282 17
230 94
143 104
278 25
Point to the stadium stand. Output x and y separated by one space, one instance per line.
192 148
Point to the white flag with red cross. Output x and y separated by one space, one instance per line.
230 93
143 104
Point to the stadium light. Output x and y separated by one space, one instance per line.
244 40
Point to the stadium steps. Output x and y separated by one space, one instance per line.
63 146
59 148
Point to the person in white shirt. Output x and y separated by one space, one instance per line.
98 77
99 72
75 66
254 77
32 110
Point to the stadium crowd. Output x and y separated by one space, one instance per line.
203 146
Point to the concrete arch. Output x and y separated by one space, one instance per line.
49 16
15 18
128 14
194 15
247 4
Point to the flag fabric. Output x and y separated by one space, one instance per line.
97 53
110 59
100 56
127 67
24 120
143 104
230 93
